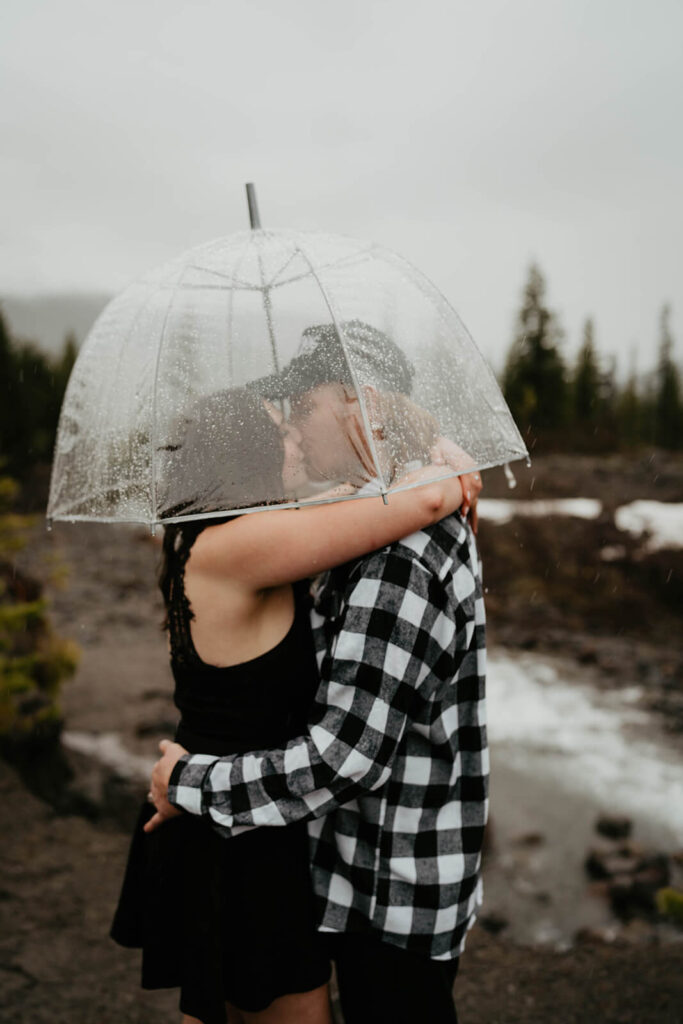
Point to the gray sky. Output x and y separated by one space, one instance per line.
470 137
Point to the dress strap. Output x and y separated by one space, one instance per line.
178 610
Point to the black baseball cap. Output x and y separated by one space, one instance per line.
321 359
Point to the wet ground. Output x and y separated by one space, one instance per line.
62 873
60 881
585 589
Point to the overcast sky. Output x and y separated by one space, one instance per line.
471 137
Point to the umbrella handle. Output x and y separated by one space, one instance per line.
254 218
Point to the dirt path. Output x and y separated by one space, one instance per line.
61 874
60 882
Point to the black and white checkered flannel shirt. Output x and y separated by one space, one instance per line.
392 774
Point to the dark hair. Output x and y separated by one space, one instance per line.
224 452
227 453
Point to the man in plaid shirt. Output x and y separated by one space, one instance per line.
391 774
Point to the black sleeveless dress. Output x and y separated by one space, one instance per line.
227 919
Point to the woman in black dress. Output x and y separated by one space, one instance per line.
231 923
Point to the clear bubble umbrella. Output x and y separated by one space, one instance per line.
171 410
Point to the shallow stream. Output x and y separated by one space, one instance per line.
563 751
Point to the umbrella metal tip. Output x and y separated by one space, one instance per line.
254 219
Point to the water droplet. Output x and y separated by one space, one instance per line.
509 476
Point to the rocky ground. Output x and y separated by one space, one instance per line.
60 880
550 588
62 869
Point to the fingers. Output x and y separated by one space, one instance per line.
164 812
154 822
471 488
474 483
163 745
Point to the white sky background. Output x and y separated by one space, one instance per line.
470 137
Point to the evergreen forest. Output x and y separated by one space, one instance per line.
583 407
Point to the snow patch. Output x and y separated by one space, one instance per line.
663 521
589 741
108 749
502 510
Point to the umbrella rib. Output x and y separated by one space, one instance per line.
268 308
238 283
430 291
143 306
217 273
153 425
137 316
240 286
361 397
274 283
273 280
231 303
328 266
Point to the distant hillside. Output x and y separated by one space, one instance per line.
46 319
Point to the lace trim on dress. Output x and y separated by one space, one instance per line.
179 611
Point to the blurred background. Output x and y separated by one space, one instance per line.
527 157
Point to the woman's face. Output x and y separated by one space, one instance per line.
333 435
294 476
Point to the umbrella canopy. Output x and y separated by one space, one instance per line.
165 414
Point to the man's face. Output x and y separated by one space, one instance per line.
328 420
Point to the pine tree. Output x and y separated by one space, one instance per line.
629 414
61 371
606 429
33 387
5 350
12 421
39 405
668 418
67 358
534 380
587 381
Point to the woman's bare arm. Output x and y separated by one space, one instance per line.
269 548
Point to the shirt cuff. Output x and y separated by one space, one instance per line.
185 787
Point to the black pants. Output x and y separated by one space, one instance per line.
382 984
